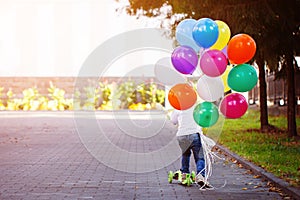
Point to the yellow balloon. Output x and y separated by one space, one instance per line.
224 35
224 77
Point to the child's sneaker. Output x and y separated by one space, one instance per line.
193 176
202 182
184 177
177 175
208 186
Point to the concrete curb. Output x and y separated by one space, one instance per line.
283 185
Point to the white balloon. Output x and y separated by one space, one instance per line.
165 72
210 88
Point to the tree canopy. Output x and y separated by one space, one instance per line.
274 25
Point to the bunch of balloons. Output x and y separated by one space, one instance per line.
206 44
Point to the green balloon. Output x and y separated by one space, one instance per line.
242 78
206 114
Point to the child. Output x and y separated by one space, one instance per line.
188 136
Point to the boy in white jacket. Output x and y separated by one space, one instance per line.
188 136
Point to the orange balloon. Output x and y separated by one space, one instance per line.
241 48
182 96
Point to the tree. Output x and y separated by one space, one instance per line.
288 41
274 24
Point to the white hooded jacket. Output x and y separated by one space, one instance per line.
185 121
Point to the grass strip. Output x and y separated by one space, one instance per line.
274 151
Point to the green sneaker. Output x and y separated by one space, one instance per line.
193 176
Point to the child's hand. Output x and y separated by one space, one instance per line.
169 112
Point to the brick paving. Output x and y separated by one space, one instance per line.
57 156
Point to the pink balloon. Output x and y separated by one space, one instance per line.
213 63
233 105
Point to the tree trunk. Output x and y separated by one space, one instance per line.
291 102
264 122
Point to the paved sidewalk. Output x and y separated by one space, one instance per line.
56 157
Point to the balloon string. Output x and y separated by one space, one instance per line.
209 156
199 76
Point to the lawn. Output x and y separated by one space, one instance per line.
273 151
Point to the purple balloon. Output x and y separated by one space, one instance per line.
224 50
184 59
213 63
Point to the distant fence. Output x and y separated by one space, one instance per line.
276 91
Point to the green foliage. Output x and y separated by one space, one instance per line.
2 107
129 93
272 151
106 91
58 101
30 99
12 103
273 24
90 98
125 93
106 96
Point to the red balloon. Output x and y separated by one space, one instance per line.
182 96
240 49
233 105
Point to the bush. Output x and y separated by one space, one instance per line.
107 96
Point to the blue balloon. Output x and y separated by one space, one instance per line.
184 34
205 32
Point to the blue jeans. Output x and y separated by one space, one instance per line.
188 144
